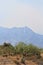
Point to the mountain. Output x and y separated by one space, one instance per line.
24 34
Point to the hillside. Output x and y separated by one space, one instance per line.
21 54
24 34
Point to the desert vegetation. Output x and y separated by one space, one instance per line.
22 53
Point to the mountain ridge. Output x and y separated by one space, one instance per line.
23 34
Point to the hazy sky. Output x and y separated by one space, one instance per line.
20 13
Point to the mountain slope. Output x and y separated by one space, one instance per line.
24 34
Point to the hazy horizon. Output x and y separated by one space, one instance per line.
17 13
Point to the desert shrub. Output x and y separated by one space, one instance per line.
34 50
16 62
6 44
7 49
20 48
23 60
41 49
27 50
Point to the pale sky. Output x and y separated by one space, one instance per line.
20 13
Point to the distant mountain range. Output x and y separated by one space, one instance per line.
24 34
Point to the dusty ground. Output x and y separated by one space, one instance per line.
42 54
11 61
16 60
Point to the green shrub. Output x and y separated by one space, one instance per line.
20 48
